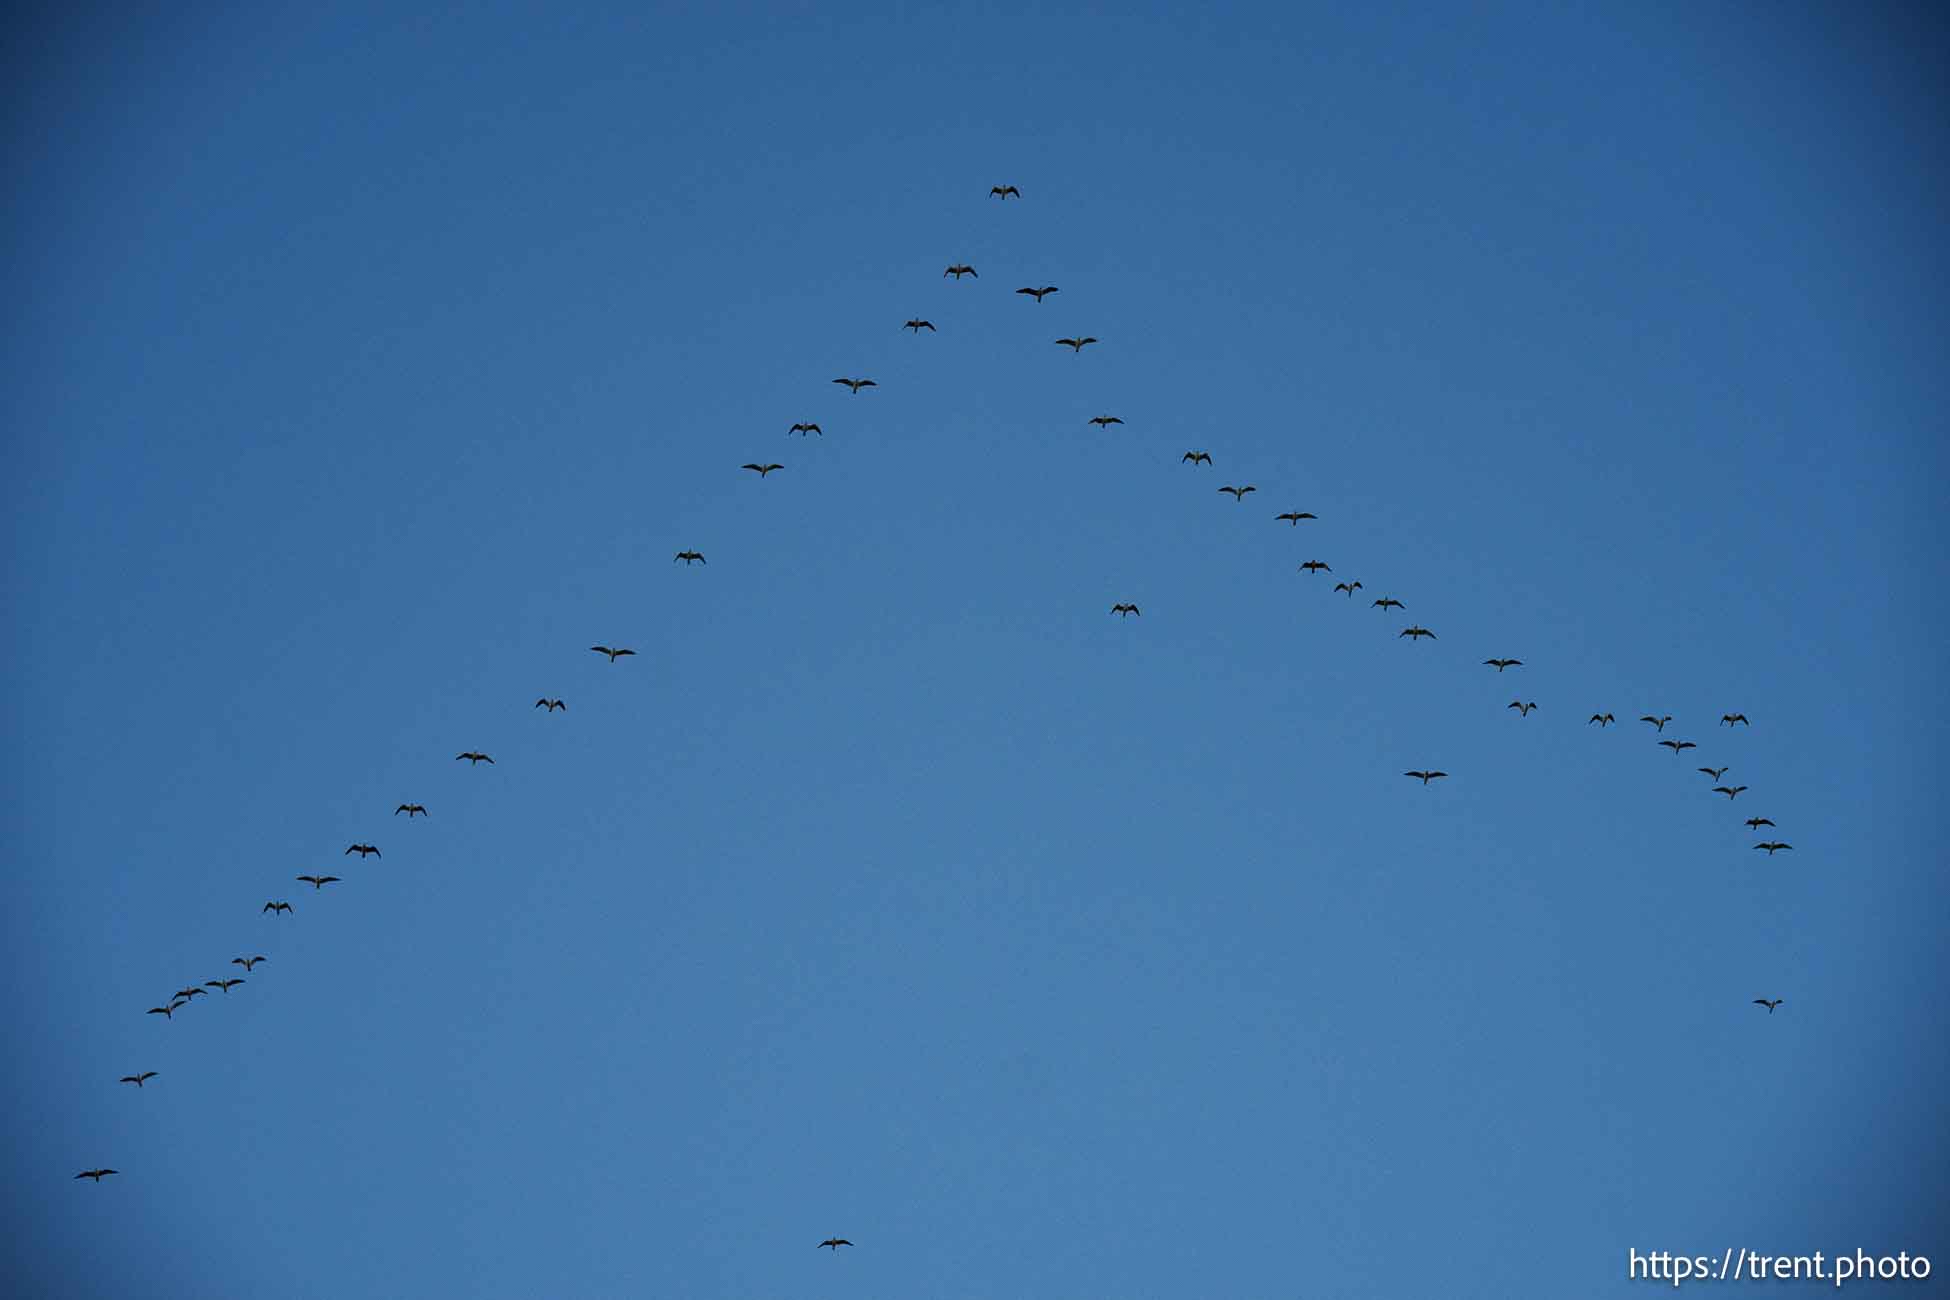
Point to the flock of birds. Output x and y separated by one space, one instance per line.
185 996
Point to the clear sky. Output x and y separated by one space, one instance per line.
369 362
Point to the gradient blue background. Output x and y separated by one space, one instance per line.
366 367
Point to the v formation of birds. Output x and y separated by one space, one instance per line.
1123 608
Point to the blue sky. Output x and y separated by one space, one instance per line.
368 367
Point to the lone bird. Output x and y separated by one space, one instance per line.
855 385
475 757
834 1242
1728 719
1755 823
1658 723
366 850
1602 719
1501 664
275 908
137 1079
1676 745
1426 776
247 962
1772 846
959 271
1104 421
1127 610
1387 602
1769 1003
1523 710
225 985
1316 566
1004 192
1716 772
1349 587
688 557
763 470
614 655
411 810
803 429
318 882
551 705
1075 345
1295 516
1416 633
918 325
1038 294
1196 457
99 1174
1728 790
1239 493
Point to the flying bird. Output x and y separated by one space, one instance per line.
318 882
1728 790
688 557
1295 516
97 1174
411 810
856 385
1676 745
1769 1003
191 992
918 325
1196 456
1501 664
475 757
763 470
1658 723
1716 772
1728 719
1772 846
1602 719
1523 710
226 984
137 1079
1105 421
247 962
275 908
364 851
1239 493
1755 823
1316 566
1426 776
167 1013
1004 192
1416 633
614 655
1075 345
959 271
1388 602
551 705
834 1242
803 429
1127 610
1038 294
1349 587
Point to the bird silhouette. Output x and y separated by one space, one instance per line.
1127 610
364 851
248 962
1425 776
959 271
318 882
224 985
1772 846
834 1242
1728 719
1602 719
1004 192
1769 1003
614 655
97 1174
1239 493
1316 566
1523 710
411 810
167 1013
475 757
763 470
1387 603
191 992
1416 633
1716 772
1039 294
1349 587
1728 790
918 325
1104 421
1658 723
1755 823
275 908
1295 516
856 385
137 1079
1501 664
1677 745
688 557
803 429
1075 345
1197 457
551 705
